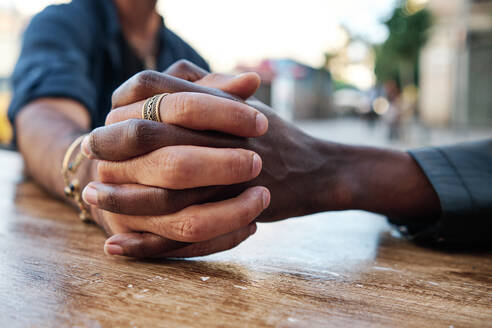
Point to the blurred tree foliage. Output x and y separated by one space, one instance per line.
398 57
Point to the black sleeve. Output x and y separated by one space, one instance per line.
461 175
54 59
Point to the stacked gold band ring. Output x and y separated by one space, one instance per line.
150 108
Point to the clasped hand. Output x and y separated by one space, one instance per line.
191 185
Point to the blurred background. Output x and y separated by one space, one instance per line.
400 73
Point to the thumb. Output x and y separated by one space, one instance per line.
140 245
147 245
242 85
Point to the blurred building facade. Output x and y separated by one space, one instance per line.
295 90
456 64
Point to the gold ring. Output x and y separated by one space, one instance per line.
145 108
158 105
150 109
150 106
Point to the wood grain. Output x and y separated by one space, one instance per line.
329 270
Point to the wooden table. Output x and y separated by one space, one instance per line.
334 269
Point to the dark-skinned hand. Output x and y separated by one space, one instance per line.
197 191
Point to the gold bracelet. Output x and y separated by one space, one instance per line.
72 187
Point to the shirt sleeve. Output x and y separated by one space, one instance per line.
54 60
461 175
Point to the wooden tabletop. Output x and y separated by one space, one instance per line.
329 270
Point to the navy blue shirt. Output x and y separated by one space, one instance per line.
78 51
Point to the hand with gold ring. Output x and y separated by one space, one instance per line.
143 175
300 171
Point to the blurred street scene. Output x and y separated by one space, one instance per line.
424 78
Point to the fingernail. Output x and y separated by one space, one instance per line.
85 149
111 249
261 123
246 74
266 198
89 195
256 165
238 76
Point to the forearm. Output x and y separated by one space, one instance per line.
383 181
44 132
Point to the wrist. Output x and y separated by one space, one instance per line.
332 186
387 182
375 173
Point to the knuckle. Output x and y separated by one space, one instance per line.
188 228
245 213
240 118
240 164
186 70
183 65
110 200
181 111
174 168
138 87
146 79
139 133
171 169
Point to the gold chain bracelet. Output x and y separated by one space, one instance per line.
72 187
